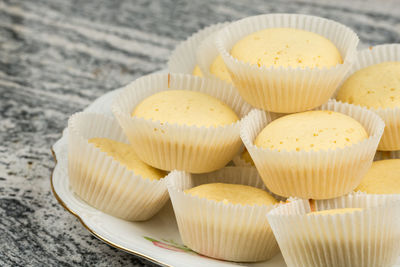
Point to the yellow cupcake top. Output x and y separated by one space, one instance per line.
218 68
186 107
311 130
336 211
287 47
382 178
197 71
232 193
124 154
376 86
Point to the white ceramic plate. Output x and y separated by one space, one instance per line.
156 240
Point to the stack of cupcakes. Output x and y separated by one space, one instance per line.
265 82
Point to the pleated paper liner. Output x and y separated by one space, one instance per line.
287 90
103 182
365 238
391 116
231 232
239 160
312 174
183 58
171 146
206 53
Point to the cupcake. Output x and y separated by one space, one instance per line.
185 107
219 69
222 214
287 63
354 230
311 130
375 84
382 178
287 47
183 58
210 61
126 156
318 155
105 171
194 127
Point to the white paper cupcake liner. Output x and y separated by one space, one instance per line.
206 53
366 238
171 146
319 174
238 159
102 181
390 140
224 231
183 58
287 90
240 162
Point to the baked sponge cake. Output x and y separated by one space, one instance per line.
311 130
286 63
186 108
125 155
105 172
218 68
179 121
376 86
233 193
222 214
287 47
319 154
382 178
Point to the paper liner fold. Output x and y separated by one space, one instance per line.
287 90
312 174
103 182
362 238
391 116
183 58
224 231
171 146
